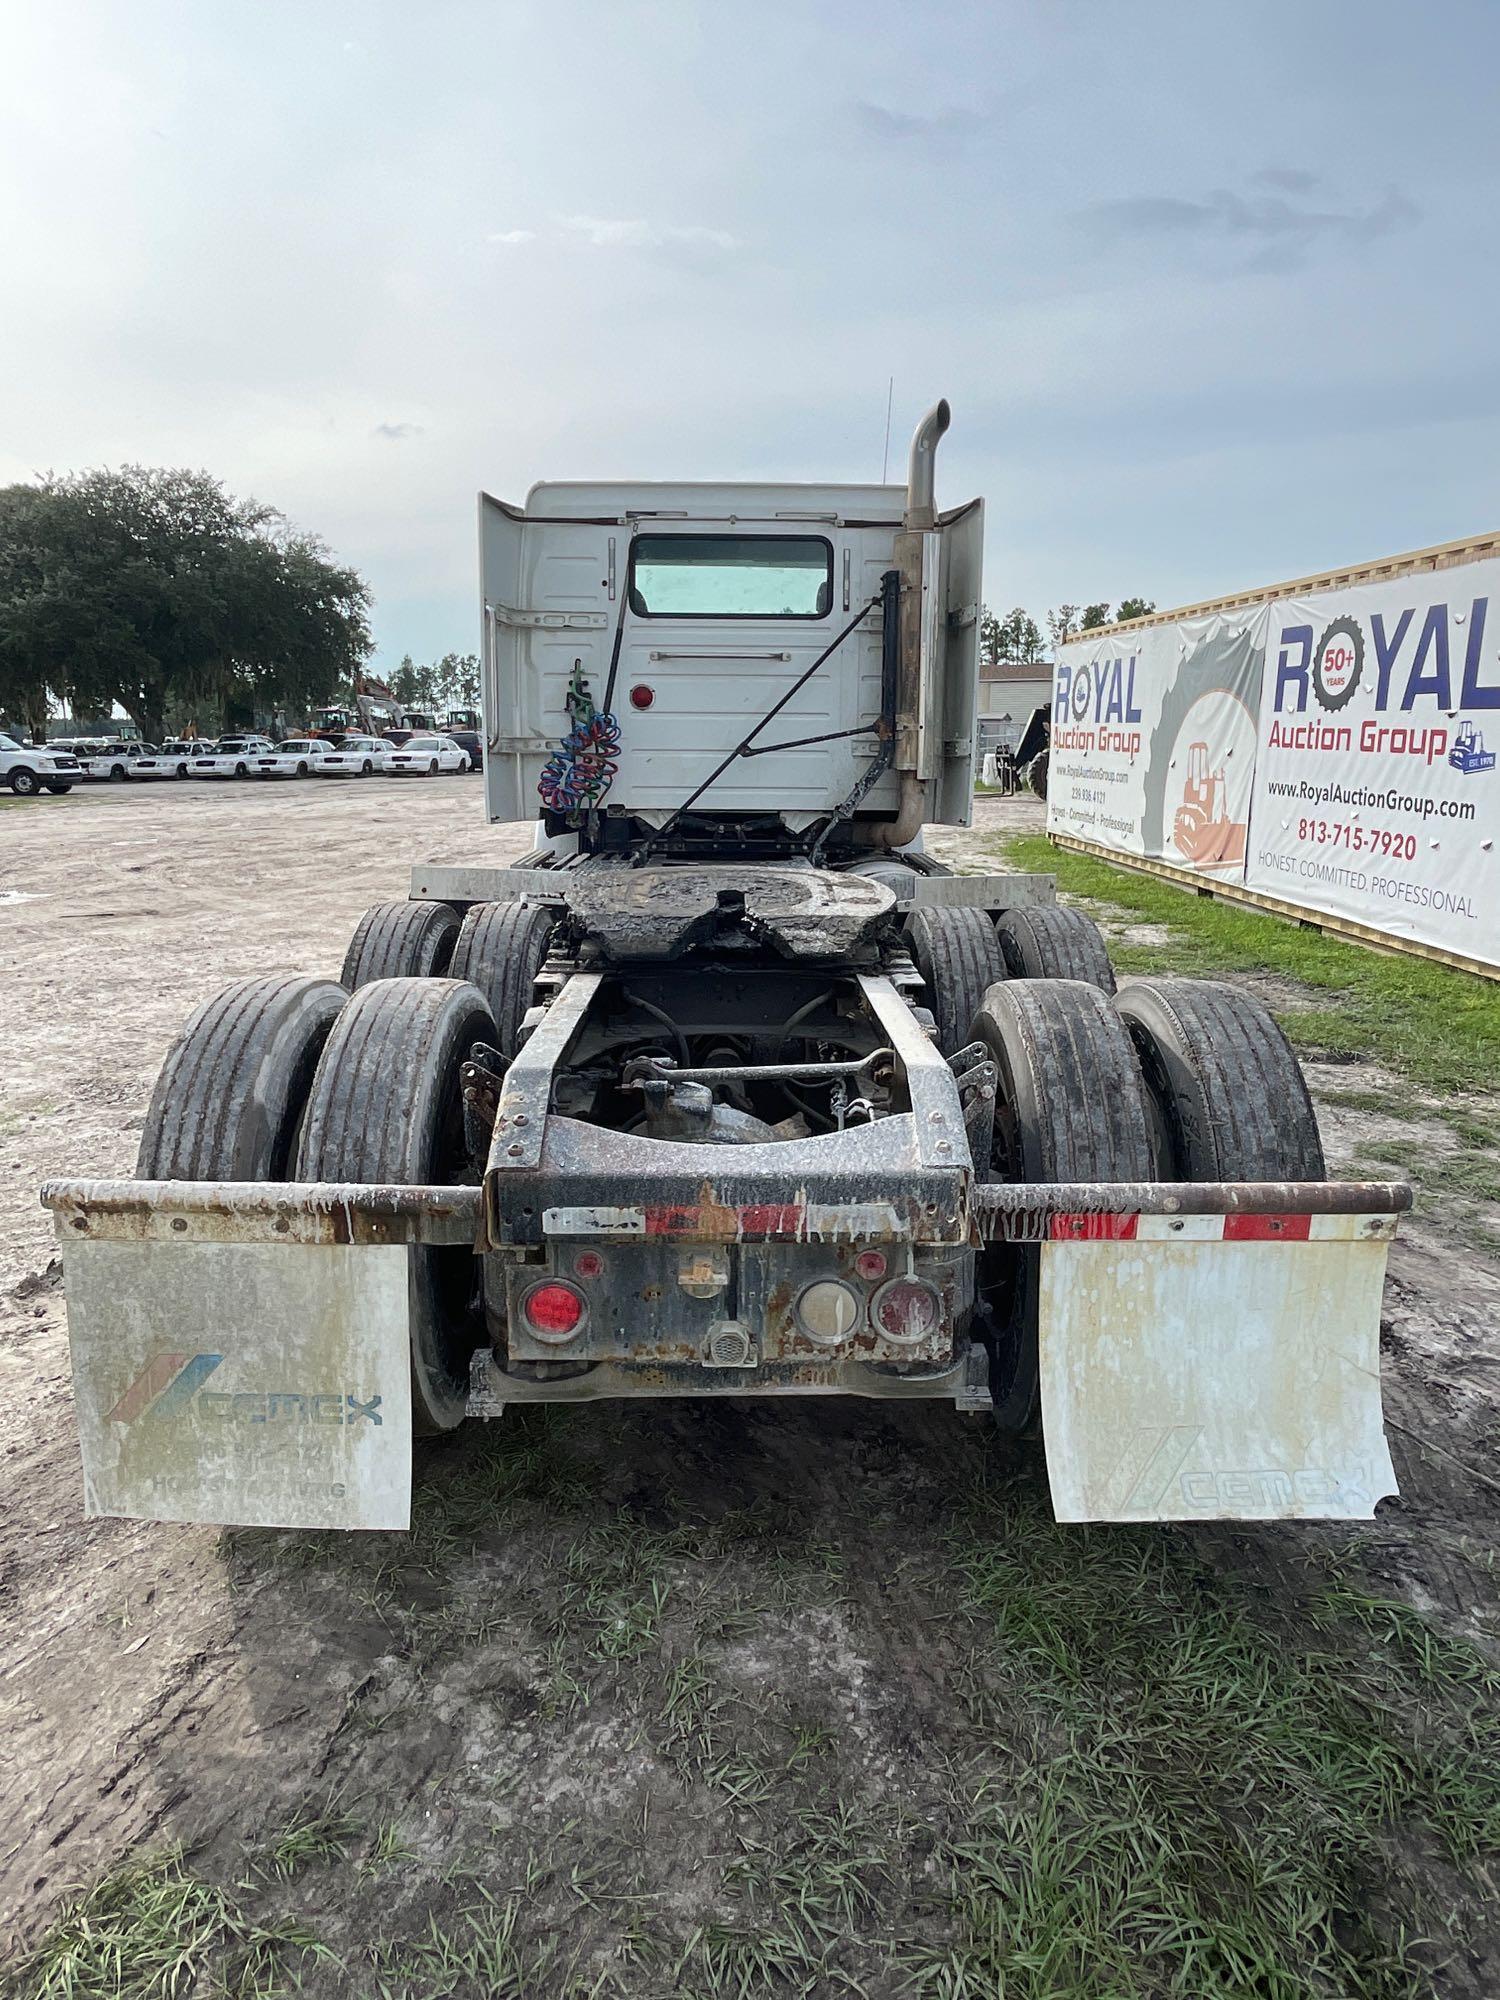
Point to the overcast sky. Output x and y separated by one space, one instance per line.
1212 289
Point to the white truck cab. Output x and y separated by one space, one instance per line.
692 613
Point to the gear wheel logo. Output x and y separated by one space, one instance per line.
1079 693
1338 663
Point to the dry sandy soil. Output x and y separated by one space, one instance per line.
697 1699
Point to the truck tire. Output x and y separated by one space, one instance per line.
1054 943
1036 773
400 941
1229 1099
958 955
500 950
1069 1106
229 1100
386 1105
24 782
60 791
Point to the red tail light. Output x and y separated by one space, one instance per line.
907 1309
553 1311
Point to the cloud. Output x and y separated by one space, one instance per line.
1278 231
1291 180
879 123
602 233
397 431
510 236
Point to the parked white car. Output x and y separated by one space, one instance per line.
298 757
172 760
29 768
231 757
424 756
106 760
353 756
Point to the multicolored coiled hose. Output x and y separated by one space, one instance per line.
582 769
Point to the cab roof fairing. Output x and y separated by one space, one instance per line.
618 501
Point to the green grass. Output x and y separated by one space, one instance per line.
312 1837
1214 1801
1438 1027
154 1930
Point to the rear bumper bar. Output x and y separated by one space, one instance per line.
339 1213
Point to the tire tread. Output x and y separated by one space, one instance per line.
958 955
412 940
1236 1102
1055 942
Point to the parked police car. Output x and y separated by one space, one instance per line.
231 757
424 756
298 757
353 756
170 761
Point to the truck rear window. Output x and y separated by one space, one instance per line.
731 576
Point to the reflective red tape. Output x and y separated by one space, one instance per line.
754 1219
1266 1228
1093 1228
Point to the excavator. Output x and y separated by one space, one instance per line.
374 710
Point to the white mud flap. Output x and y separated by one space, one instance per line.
1212 1367
265 1385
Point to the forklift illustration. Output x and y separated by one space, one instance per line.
1202 829
1468 752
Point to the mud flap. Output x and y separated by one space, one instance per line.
266 1385
1210 1367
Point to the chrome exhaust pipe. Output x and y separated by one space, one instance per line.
921 471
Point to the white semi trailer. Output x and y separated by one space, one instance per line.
727 1089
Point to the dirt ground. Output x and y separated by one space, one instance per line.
680 1699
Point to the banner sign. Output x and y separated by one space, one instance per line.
1337 751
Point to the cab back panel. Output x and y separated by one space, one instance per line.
553 594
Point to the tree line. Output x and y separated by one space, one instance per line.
161 592
451 682
1018 637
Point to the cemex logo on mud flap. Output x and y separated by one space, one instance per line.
171 1384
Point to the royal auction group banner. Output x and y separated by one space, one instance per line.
1337 751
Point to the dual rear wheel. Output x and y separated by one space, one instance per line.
962 953
292 1079
1176 1079
304 1079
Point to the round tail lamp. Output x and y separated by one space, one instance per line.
642 696
906 1310
553 1311
828 1312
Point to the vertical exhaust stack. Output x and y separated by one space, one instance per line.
919 517
921 470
